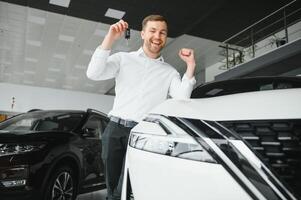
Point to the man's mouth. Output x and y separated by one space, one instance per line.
157 43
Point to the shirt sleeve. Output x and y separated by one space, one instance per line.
181 89
102 66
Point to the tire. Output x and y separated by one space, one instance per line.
62 185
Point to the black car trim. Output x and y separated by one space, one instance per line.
243 164
272 182
275 181
275 164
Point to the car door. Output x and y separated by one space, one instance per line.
93 166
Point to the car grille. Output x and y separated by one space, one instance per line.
279 144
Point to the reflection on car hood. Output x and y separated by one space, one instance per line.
30 136
19 132
274 104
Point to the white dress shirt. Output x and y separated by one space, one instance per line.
141 82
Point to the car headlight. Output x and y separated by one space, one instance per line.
12 149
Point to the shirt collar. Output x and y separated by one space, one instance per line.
140 52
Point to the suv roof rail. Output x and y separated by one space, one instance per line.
33 110
89 110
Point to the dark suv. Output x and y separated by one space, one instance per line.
53 154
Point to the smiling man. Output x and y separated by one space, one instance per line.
143 80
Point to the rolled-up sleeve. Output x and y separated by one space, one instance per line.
102 66
181 89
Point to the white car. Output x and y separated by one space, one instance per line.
235 146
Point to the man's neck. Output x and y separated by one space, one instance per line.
150 54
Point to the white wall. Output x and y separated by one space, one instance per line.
27 97
213 70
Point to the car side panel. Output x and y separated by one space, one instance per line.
165 177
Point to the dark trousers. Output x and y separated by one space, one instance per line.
114 144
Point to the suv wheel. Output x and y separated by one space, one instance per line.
62 185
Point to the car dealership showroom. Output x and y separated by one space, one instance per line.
150 100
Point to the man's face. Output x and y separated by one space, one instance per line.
154 36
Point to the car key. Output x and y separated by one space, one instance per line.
127 35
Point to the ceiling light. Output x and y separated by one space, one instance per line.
116 14
67 86
18 73
50 80
51 69
80 67
34 43
6 62
66 38
59 56
63 3
72 78
36 20
27 59
29 72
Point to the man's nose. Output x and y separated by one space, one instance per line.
157 35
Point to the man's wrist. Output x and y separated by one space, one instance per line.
107 43
191 64
190 69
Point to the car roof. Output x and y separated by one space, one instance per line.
239 85
89 110
57 111
271 104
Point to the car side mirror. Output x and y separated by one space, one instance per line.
88 132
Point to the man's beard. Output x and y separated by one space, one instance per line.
153 48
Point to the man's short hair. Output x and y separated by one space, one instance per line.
152 18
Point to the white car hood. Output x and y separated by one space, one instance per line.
271 104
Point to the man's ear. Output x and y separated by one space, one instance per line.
142 34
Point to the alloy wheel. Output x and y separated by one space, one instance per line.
63 187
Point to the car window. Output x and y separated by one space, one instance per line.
95 126
42 121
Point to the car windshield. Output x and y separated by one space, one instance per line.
41 121
235 86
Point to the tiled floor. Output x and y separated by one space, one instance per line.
98 195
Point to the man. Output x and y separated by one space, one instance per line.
143 80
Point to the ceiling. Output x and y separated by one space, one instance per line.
50 46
